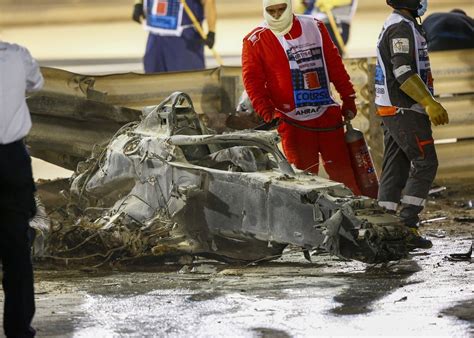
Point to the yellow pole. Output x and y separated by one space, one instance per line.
198 27
335 29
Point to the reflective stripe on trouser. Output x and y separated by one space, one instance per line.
410 162
392 206
413 200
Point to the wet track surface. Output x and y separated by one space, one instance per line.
424 295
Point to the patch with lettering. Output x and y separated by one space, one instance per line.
401 46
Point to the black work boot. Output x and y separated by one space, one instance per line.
415 240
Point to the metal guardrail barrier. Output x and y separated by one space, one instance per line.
69 107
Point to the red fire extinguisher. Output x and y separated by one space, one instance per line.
361 161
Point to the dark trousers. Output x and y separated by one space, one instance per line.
17 206
409 164
174 53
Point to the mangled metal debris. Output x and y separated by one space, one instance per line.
462 256
168 186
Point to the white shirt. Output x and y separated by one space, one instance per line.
19 73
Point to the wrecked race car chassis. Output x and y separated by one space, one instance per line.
168 186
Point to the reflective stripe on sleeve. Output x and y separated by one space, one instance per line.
401 70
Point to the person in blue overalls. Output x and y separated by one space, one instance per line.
173 42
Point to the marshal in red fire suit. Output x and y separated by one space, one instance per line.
288 78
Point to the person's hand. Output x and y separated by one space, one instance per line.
349 108
438 115
271 115
415 88
138 13
210 39
268 116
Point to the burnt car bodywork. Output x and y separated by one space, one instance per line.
168 186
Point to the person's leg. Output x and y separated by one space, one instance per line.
424 165
182 53
191 49
17 206
412 133
345 31
336 159
19 306
300 147
333 149
395 168
174 53
153 61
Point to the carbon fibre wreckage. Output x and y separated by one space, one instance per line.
166 185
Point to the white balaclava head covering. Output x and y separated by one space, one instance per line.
282 25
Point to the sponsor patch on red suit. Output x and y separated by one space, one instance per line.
311 80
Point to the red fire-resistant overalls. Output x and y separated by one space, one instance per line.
272 68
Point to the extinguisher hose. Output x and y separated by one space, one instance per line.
291 123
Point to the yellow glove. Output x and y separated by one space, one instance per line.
438 115
330 4
416 89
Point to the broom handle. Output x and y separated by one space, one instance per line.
333 24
